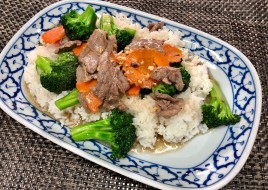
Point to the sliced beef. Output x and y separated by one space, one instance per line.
82 75
168 75
97 42
104 77
155 26
110 82
167 106
69 45
90 61
146 43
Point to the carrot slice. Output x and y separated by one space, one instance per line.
77 50
174 59
133 90
171 51
93 102
53 35
160 59
86 86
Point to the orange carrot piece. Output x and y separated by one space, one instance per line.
77 50
133 90
171 51
86 86
174 59
53 35
93 102
160 59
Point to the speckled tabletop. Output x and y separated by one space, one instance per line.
28 161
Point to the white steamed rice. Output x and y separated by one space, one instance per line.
177 129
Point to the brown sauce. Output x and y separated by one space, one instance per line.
160 147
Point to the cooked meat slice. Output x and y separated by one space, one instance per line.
159 96
155 26
111 45
146 43
90 61
97 42
167 106
122 82
104 77
83 76
67 46
168 75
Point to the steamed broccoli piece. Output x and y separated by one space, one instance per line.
170 89
164 88
59 75
116 130
217 112
79 26
186 78
69 100
123 36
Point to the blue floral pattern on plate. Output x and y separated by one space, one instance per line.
213 169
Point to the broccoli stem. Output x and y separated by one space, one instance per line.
103 125
100 130
106 136
69 100
107 24
43 65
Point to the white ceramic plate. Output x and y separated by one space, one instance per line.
208 161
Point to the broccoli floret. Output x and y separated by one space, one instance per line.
123 36
116 130
186 78
164 88
69 100
59 75
217 112
79 26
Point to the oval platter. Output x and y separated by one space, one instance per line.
208 161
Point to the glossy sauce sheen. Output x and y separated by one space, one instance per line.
160 147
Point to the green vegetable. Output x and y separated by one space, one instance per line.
117 130
107 24
186 78
217 112
79 26
59 75
170 89
123 36
164 88
69 100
